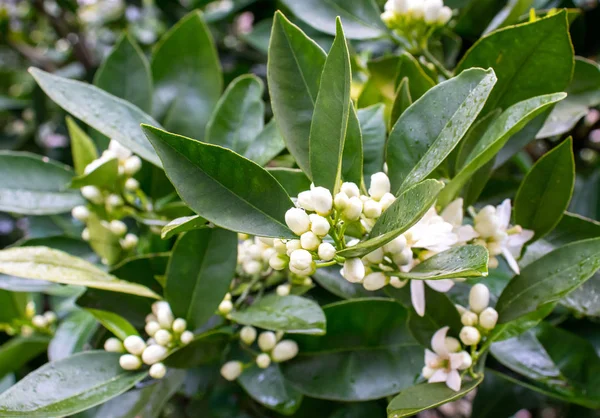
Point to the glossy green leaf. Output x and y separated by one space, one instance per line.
462 261
362 17
119 326
509 15
406 210
125 73
549 278
37 186
131 307
183 224
18 351
366 354
546 191
269 388
114 117
425 396
402 101
294 181
187 77
527 51
266 146
330 118
331 279
239 115
144 269
293 56
243 196
419 81
206 348
72 334
42 263
200 271
104 175
352 156
429 130
292 314
501 129
82 147
12 304
93 378
372 125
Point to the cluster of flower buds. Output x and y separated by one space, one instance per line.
271 345
32 323
479 319
415 18
444 362
166 334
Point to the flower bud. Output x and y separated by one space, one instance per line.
452 344
154 353
251 267
26 331
279 246
397 283
488 318
493 263
319 225
444 15
372 209
297 220
461 309
130 362
279 261
129 242
248 334
39 321
283 289
162 337
165 316
404 258
114 345
186 337
114 200
322 200
291 245
326 251
386 201
307 282
179 325
263 360
85 234
395 246
81 213
151 317
427 372
305 201
374 281
118 150
157 371
354 270
310 241
232 370
132 184
30 309
300 260
350 189
266 341
341 201
93 194
467 361
157 306
284 350
431 10
225 307
374 257
380 185
151 328
132 165
479 298
50 317
118 228
353 210
469 318
134 344
470 336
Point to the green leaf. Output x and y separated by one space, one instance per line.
294 181
419 81
200 271
463 261
509 15
501 129
546 190
269 388
440 312
372 125
366 354
12 304
119 326
239 115
77 383
125 73
131 307
187 77
104 175
425 396
72 334
330 118
402 101
292 314
183 224
331 279
294 57
206 348
549 278
42 263
82 147
406 210
18 351
429 130
266 146
114 117
243 196
102 240
526 52
37 186
144 269
352 156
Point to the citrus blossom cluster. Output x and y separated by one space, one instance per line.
479 319
32 323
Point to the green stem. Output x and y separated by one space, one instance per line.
438 65
247 291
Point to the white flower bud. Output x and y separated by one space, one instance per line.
395 246
50 317
404 258
479 298
350 189
374 257
154 353
297 220
151 328
179 325
380 185
118 227
26 331
151 317
469 318
114 345
279 246
427 372
263 360
372 209
354 270
397 283
310 241
300 260
353 210
114 200
165 316
93 194
30 309
444 15
134 344
326 251
341 201
452 344
132 184
248 334
467 361
283 289
162 337
266 341
268 253
284 351
305 201
157 371
157 306
322 200
81 213
117 150
307 282
132 165
431 10
291 245
130 362
319 225
470 336
252 267
129 242
374 281
493 263
461 309
225 307
85 234
186 337
488 318
279 261
39 321
386 201
232 370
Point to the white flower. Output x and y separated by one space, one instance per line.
132 184
432 232
374 257
251 267
386 201
305 201
186 337
417 291
114 200
232 370
117 227
130 362
267 340
179 325
134 344
319 225
372 209
297 220
431 10
157 371
93 194
350 189
284 350
292 245
380 185
453 214
248 334
162 337
322 200
341 201
470 335
132 165
263 360
164 316
118 150
374 281
354 270
397 283
479 298
154 353
301 262
396 246
114 345
469 318
278 261
443 363
283 289
326 251
225 307
85 234
81 213
151 328
488 318
354 209
130 241
39 321
310 241
50 317
444 15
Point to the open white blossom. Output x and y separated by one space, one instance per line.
417 291
444 362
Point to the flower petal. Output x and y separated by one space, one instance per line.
510 259
438 342
453 381
453 213
503 214
417 296
442 285
456 360
440 375
466 233
430 357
